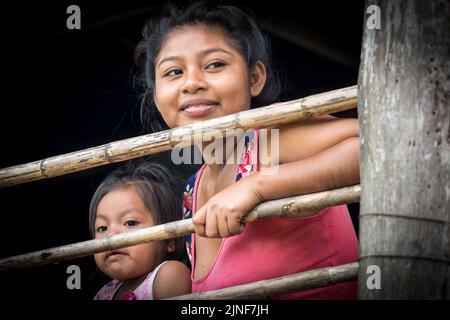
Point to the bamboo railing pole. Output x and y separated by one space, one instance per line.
266 289
303 205
275 114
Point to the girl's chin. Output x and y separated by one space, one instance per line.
121 276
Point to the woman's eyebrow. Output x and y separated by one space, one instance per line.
202 53
213 50
171 58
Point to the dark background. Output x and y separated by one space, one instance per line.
66 90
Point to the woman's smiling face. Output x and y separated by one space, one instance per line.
200 75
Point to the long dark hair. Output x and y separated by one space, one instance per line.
160 191
239 27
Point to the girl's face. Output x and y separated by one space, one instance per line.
122 210
199 75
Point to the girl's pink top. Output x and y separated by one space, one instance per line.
143 292
280 246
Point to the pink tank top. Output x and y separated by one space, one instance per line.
279 246
143 292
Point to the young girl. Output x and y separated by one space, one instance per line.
204 62
131 198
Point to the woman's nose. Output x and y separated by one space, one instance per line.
194 82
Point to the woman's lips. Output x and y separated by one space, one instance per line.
198 106
199 110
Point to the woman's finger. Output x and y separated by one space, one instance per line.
199 220
234 224
211 230
222 225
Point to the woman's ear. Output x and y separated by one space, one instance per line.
258 77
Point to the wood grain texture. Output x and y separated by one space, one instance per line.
403 104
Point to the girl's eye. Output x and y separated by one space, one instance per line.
131 223
215 65
173 72
101 229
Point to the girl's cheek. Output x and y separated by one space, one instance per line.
98 259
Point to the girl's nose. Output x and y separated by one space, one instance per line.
194 82
113 229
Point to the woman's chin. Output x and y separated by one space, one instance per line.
189 118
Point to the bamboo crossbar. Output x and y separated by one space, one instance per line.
266 289
122 150
303 205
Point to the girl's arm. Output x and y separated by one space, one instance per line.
173 279
315 155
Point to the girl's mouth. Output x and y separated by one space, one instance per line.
115 255
198 106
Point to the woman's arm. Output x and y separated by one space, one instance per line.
331 168
329 162
314 155
307 138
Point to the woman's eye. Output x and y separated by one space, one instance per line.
215 65
131 223
101 229
173 72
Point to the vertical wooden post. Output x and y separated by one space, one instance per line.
404 109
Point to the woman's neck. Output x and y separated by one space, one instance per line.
223 152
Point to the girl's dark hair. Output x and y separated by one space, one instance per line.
241 29
160 191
